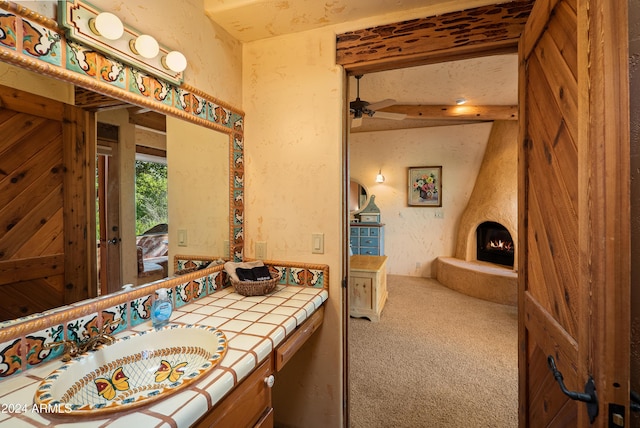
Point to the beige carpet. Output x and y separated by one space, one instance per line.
437 358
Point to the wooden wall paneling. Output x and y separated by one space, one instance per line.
77 181
48 240
28 297
24 102
31 268
605 170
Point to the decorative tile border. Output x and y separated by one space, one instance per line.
21 343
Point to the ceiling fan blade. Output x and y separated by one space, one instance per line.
381 104
356 121
387 115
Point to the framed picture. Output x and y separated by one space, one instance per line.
425 186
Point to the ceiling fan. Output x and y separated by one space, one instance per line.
359 108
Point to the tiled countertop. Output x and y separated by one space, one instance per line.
254 327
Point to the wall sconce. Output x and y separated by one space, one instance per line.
461 101
105 32
380 177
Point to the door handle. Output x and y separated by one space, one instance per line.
635 401
588 396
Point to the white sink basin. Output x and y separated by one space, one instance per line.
133 371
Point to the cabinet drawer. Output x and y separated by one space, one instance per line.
374 231
355 231
369 242
245 405
369 251
354 240
290 346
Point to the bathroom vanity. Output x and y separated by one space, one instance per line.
263 333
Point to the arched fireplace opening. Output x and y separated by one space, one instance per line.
495 244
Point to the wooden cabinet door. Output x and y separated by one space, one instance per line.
45 179
574 212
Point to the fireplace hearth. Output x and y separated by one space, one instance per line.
495 244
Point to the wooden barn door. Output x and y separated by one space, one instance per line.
45 253
574 213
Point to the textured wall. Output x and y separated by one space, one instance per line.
293 163
495 195
198 170
414 236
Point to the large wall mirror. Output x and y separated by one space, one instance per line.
198 170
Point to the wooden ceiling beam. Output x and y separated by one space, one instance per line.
463 112
151 120
482 31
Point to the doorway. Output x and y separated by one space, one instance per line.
415 236
108 209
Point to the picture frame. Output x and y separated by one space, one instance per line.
424 186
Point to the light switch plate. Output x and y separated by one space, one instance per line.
317 243
261 250
182 237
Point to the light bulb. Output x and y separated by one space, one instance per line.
461 101
107 25
144 45
174 61
380 177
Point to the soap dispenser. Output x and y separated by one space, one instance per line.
161 310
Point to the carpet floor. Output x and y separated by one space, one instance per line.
437 358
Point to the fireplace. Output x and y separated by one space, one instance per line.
494 244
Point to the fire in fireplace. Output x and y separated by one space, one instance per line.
494 244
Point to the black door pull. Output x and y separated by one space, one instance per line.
635 401
588 396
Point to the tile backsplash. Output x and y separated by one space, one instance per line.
22 341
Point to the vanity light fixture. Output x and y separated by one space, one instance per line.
105 33
461 101
107 25
380 177
145 46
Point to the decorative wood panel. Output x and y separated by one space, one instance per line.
574 206
43 253
551 300
486 30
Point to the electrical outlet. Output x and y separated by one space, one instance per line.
261 250
438 214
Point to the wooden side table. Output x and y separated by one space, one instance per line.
367 286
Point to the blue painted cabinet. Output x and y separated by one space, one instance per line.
367 239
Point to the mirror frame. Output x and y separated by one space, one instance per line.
366 202
200 108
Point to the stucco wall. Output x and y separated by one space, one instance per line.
414 236
293 162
